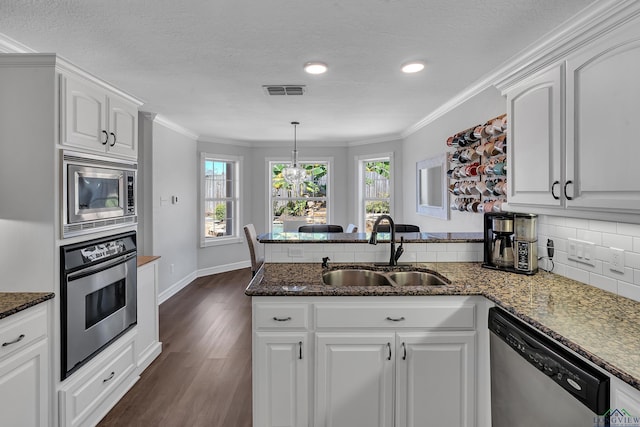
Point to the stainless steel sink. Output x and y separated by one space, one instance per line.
416 278
348 277
362 277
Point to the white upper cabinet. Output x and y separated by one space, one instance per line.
603 90
94 119
535 139
573 129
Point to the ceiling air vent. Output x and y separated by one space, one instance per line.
275 90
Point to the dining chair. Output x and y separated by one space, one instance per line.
400 228
320 228
252 241
352 228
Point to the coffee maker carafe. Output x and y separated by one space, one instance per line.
510 242
502 244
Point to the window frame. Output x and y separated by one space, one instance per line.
269 163
235 237
359 179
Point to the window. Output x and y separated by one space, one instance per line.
307 204
220 201
375 190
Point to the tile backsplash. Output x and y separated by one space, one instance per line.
604 235
363 252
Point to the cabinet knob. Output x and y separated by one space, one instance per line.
109 378
17 340
106 138
565 190
282 319
395 319
553 190
114 139
389 348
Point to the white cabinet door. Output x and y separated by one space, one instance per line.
281 363
534 110
354 379
435 379
148 345
123 128
24 387
625 399
84 120
603 90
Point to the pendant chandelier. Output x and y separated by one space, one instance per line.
294 174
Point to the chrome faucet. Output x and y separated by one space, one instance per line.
373 240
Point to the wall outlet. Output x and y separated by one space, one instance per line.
581 251
616 260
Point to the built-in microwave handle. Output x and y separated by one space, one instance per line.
92 269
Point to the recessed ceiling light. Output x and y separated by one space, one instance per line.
315 67
413 67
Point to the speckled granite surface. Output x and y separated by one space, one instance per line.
364 237
599 325
13 302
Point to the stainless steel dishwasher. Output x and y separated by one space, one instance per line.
537 382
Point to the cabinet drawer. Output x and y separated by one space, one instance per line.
21 329
452 316
281 316
87 391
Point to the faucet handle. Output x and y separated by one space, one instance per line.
325 262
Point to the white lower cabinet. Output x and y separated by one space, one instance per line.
24 369
371 361
281 375
148 345
354 379
626 400
88 395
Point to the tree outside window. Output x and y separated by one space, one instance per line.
295 205
376 190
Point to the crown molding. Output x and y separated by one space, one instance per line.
163 121
9 45
226 141
395 137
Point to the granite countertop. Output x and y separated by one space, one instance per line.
13 302
364 237
601 326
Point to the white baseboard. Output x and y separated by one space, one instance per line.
176 287
223 268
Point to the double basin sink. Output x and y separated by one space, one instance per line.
382 277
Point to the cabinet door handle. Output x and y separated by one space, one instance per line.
389 348
404 352
300 350
17 340
114 139
281 319
109 378
553 189
106 138
565 190
395 319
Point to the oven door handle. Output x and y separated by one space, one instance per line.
100 267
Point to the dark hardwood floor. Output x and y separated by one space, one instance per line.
203 376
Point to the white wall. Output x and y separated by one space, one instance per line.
430 141
174 173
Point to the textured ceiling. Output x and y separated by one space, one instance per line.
202 63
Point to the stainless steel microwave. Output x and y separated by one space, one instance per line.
98 193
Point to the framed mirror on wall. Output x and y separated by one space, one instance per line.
432 197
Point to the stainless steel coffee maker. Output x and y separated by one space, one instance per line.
511 242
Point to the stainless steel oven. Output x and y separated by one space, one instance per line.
99 193
99 298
